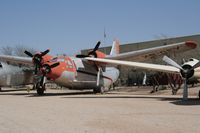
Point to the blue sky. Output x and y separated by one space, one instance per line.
67 26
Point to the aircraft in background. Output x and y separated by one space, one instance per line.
95 70
188 70
12 75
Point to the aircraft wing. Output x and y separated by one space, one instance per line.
151 53
16 60
147 66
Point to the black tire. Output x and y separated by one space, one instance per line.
98 90
199 94
40 89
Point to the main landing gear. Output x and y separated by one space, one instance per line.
99 90
199 94
40 89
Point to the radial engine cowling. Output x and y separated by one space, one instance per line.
187 67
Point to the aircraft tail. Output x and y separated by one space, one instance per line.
115 48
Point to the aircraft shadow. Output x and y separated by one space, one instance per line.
34 94
189 102
172 100
91 95
14 92
61 94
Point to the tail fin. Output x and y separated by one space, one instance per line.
115 48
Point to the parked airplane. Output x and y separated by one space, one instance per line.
12 75
95 70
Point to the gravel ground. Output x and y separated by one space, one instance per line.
121 111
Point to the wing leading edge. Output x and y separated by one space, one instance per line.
147 66
145 54
16 60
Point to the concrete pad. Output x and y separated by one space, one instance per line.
83 112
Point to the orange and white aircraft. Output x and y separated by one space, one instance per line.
95 70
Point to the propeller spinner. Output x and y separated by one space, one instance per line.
46 68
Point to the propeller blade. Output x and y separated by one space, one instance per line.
81 56
28 53
45 52
55 65
171 62
185 90
96 47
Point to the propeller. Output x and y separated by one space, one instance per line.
186 71
28 53
37 58
46 68
95 48
93 52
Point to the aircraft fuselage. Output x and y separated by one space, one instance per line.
74 73
14 76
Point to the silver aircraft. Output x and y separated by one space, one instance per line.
12 75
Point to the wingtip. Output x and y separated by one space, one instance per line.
191 44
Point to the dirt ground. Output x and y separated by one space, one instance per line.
123 111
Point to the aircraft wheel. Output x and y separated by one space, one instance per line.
199 94
96 90
0 89
99 90
40 89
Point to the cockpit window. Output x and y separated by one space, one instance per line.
1 65
191 59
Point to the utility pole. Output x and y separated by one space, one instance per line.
104 38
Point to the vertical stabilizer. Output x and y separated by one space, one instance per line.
115 48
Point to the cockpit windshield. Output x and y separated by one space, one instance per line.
1 65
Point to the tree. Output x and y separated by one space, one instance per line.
17 50
7 50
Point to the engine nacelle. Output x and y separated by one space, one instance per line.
187 67
191 62
97 54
